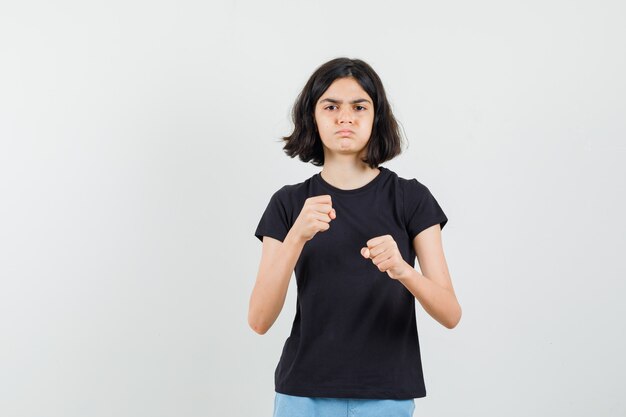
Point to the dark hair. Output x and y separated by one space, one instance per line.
385 141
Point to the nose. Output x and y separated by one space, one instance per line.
345 116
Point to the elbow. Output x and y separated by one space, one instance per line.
453 323
254 322
451 326
257 325
258 329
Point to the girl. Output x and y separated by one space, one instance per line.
351 233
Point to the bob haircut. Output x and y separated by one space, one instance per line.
384 143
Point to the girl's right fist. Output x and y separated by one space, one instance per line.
314 217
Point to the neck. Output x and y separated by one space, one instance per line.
348 176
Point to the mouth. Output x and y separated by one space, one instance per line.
345 132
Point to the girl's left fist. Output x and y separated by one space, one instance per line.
384 253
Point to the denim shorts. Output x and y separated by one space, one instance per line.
293 406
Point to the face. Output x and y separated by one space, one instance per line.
344 116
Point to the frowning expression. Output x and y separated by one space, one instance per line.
344 116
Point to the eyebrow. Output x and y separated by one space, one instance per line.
334 100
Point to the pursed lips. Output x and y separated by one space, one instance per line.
344 132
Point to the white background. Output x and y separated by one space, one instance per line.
140 146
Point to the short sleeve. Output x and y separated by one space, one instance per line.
275 219
421 209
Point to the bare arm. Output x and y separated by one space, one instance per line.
278 260
433 289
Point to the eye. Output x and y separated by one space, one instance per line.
327 107
361 107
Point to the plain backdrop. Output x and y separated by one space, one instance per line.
140 144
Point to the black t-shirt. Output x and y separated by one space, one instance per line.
354 334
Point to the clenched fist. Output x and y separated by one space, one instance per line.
314 217
384 253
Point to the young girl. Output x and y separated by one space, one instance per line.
351 233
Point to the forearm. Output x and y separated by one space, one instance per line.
270 290
440 303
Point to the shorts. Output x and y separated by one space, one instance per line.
293 406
